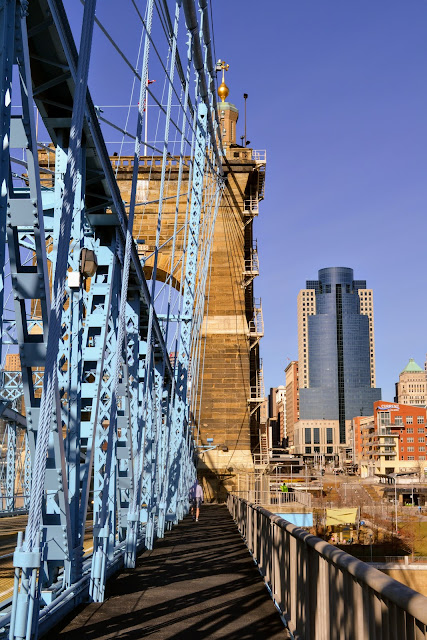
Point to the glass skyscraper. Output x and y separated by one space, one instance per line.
336 348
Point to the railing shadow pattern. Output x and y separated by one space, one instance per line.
198 582
323 592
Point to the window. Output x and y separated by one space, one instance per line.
411 457
308 436
384 418
410 448
316 435
308 449
420 419
410 440
421 430
421 458
329 436
421 448
410 430
316 449
421 439
398 420
329 450
409 419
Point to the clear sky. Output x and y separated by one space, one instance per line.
338 98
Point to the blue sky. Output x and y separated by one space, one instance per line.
338 98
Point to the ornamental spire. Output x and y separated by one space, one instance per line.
222 89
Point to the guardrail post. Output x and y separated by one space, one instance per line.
262 541
303 622
249 526
293 586
268 574
276 569
286 580
336 597
360 621
324 598
254 536
257 534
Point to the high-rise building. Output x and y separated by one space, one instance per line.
412 386
336 349
276 414
281 412
292 400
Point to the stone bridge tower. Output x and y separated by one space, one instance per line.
233 386
227 429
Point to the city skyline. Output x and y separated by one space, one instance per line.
342 114
390 396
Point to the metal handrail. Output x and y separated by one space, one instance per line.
405 559
259 156
251 205
252 263
256 325
257 390
323 592
275 498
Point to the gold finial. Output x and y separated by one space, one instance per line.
222 89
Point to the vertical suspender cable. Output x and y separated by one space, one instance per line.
58 288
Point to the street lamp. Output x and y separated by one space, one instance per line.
245 97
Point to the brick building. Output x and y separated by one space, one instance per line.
292 400
392 440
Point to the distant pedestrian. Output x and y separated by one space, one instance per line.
196 499
284 488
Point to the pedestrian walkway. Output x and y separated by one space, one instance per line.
198 582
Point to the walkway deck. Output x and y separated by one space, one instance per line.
198 582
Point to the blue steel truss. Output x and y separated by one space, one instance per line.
107 433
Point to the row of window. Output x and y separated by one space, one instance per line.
329 450
316 435
420 439
398 420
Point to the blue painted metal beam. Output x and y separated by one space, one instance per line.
120 410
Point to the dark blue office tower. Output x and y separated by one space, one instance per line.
338 350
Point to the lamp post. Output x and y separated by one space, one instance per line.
245 96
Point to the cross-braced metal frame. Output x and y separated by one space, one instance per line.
107 411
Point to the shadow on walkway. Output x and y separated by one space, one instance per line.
198 582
